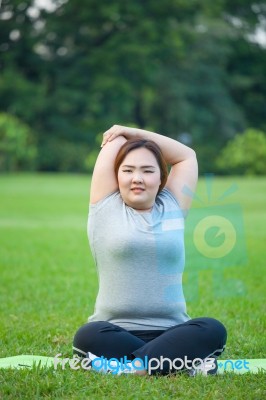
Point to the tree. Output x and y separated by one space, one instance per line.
17 148
173 66
245 154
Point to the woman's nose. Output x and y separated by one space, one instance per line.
137 177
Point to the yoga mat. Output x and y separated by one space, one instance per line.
26 361
240 366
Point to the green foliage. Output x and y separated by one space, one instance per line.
17 148
245 154
61 155
91 159
178 66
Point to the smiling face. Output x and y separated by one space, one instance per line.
139 178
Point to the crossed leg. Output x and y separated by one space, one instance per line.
197 338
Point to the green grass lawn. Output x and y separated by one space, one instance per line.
48 287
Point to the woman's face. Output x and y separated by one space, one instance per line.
139 179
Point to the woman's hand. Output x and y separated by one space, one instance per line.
118 130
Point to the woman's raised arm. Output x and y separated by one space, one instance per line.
104 180
184 166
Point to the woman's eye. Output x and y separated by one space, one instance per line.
127 170
149 171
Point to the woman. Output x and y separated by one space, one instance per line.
136 234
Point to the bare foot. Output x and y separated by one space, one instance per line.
141 372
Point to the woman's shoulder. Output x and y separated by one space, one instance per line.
166 195
169 203
106 201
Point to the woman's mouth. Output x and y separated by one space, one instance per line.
137 190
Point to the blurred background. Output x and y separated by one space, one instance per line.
192 70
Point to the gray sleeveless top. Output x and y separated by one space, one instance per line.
139 258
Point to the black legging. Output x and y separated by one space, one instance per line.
196 338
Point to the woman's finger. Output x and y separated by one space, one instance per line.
111 134
106 135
